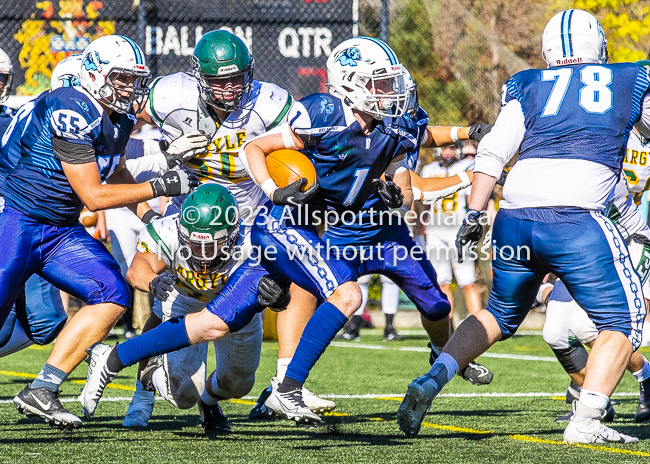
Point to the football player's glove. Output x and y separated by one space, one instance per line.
149 216
161 286
184 148
291 194
470 232
390 192
272 295
478 131
174 183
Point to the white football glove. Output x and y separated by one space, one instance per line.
184 148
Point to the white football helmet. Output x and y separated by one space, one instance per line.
367 75
573 37
66 73
113 71
412 102
6 75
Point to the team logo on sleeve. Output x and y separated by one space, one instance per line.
349 57
326 107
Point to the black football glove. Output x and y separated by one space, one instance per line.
469 233
478 131
174 183
184 148
271 295
291 194
390 192
161 286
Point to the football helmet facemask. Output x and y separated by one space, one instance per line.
6 75
223 68
208 227
114 72
367 75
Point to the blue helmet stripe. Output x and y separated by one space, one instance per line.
566 39
136 50
569 34
389 52
562 34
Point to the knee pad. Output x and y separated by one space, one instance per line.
573 358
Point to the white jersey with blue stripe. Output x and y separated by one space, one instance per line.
636 165
570 125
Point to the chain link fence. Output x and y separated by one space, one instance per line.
290 39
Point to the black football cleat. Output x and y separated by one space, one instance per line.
213 420
44 403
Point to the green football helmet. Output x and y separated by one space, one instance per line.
208 226
223 68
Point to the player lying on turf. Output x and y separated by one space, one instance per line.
215 273
223 100
70 156
363 125
364 232
184 285
551 214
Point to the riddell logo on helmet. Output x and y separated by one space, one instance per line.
200 236
570 61
227 69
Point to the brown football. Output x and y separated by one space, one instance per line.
287 166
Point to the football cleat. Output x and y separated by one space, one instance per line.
476 374
643 409
291 406
146 378
352 335
607 415
213 420
140 409
44 403
260 411
316 403
391 335
98 377
417 402
584 427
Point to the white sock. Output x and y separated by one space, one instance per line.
643 373
283 364
593 399
450 364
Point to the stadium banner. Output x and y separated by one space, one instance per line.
290 39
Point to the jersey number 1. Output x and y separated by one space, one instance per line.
595 95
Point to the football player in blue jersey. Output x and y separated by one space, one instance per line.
570 124
71 155
352 136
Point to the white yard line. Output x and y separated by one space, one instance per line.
522 357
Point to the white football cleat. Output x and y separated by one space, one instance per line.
98 377
291 406
316 403
585 427
140 409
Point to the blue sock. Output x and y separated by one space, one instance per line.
318 333
50 377
169 336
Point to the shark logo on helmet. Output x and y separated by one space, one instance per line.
92 62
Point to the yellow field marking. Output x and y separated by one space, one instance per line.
578 445
559 398
390 398
338 414
79 382
41 348
236 401
454 429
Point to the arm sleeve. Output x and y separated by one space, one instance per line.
502 143
147 168
73 153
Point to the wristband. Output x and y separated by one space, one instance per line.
149 216
417 193
268 187
464 179
454 134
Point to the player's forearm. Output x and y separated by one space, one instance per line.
116 196
438 136
140 274
482 186
438 183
